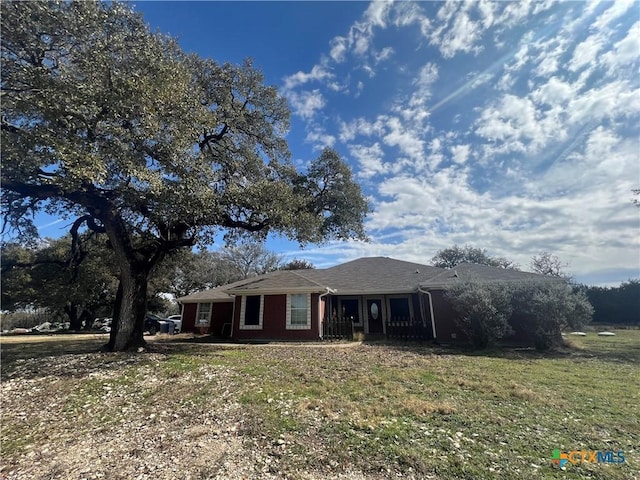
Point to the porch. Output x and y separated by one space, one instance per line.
391 316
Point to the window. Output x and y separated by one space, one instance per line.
350 310
251 309
203 317
299 311
399 309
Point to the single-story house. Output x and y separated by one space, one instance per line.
377 296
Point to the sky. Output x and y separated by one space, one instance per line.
508 126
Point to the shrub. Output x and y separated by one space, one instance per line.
550 307
488 312
483 311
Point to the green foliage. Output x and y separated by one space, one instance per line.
540 310
298 264
115 126
450 257
483 311
551 307
50 277
615 305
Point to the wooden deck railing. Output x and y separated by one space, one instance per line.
406 328
337 329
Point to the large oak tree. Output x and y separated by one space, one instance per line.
116 128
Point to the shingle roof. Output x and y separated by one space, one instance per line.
364 276
277 282
374 275
482 273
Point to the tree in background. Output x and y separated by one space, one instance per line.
548 264
49 277
185 272
114 126
298 264
248 259
450 257
489 312
615 305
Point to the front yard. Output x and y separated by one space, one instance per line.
307 411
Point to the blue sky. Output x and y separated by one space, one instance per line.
510 126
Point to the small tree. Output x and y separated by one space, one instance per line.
50 277
483 311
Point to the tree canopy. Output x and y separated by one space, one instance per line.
116 128
452 256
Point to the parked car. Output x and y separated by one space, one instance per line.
177 321
152 323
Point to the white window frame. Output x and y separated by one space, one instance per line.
306 326
243 311
199 311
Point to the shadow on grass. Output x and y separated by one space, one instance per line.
78 354
625 350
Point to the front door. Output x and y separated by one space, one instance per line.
374 316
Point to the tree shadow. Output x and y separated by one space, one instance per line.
622 353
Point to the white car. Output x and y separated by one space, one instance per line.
177 321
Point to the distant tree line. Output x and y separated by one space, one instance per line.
615 305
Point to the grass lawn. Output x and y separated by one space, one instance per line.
377 410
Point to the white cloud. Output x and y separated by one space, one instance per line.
320 139
587 52
369 159
460 153
553 92
461 37
407 141
339 46
625 52
317 73
306 103
428 76
612 100
617 9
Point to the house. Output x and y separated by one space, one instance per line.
377 296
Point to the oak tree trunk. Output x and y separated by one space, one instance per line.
127 326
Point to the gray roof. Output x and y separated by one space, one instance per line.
364 276
278 282
484 274
374 275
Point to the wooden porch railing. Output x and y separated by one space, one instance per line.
337 329
406 328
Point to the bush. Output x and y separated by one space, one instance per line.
550 308
483 311
488 312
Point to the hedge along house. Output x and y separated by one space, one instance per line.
377 296
443 315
